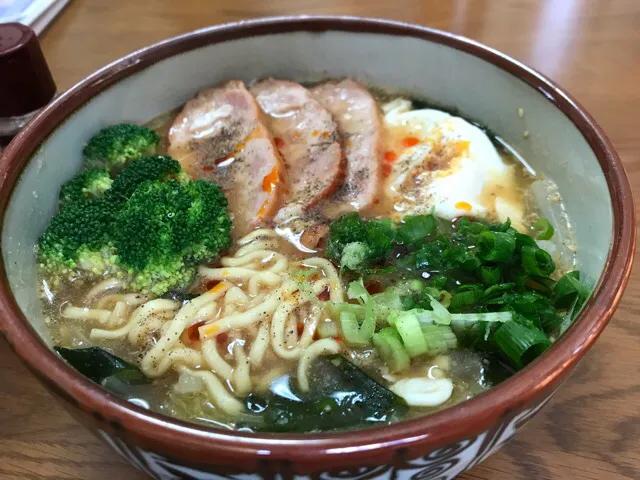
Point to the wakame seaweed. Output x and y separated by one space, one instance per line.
104 368
342 396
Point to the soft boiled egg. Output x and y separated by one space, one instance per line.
436 162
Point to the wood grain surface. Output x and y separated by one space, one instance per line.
591 429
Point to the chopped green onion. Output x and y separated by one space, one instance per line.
357 290
536 261
498 289
466 299
350 328
439 339
542 229
462 323
415 228
490 276
336 308
481 317
499 246
354 333
389 345
568 289
408 327
441 314
520 343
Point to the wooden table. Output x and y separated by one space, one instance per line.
591 429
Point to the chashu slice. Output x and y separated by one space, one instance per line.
307 137
220 136
360 125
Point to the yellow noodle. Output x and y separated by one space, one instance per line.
335 286
132 299
241 377
244 319
151 361
103 287
260 345
214 360
217 393
78 313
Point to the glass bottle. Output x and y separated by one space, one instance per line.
26 84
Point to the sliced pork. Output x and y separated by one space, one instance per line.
307 137
360 126
220 136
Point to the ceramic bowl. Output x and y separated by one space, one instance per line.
564 143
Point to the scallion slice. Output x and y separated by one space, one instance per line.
568 288
520 343
465 299
499 246
439 339
536 261
543 230
490 276
389 345
408 327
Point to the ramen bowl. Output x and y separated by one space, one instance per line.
556 135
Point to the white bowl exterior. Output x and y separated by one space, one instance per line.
479 90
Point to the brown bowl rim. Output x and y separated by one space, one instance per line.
461 421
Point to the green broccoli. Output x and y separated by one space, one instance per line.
357 243
78 238
207 226
86 184
165 228
115 145
140 170
355 256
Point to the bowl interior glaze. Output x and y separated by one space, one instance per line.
481 91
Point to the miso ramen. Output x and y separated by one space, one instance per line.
286 258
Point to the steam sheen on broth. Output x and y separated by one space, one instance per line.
384 262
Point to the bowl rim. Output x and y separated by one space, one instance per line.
347 448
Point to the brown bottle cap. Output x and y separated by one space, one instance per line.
26 83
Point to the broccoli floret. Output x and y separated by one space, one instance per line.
113 146
140 170
372 239
87 184
355 256
165 228
207 228
78 238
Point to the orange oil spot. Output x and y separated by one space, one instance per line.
390 156
270 180
386 169
463 206
216 288
410 141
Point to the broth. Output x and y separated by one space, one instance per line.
289 271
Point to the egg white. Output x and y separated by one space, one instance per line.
452 170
